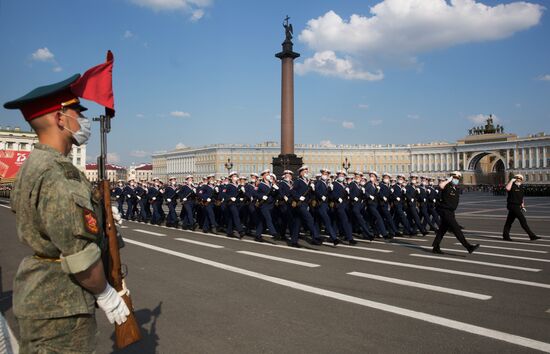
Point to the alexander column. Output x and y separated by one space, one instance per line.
287 160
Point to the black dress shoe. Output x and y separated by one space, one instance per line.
534 238
507 239
398 234
241 235
424 233
259 239
294 244
352 242
335 242
214 231
317 242
437 250
473 248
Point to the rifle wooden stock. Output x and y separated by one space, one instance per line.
127 332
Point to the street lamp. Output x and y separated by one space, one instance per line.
229 165
346 164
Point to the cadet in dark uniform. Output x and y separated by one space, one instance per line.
264 205
285 186
170 195
141 193
398 200
130 196
322 194
384 196
59 219
516 206
300 194
372 199
230 194
186 195
339 196
411 194
446 209
206 193
119 195
356 194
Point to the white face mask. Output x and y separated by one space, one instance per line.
373 179
235 179
306 175
324 177
363 182
518 184
340 179
83 134
387 180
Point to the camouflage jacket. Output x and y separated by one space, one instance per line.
57 217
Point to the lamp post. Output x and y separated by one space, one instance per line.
228 165
346 165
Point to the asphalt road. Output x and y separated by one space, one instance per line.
198 293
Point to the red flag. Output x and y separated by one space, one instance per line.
97 84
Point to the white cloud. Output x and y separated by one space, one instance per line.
57 69
375 122
127 34
140 115
396 31
113 157
180 114
328 64
413 116
193 7
517 105
197 15
43 54
482 118
180 146
139 153
326 143
544 77
363 106
348 125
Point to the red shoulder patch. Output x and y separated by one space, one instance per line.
90 222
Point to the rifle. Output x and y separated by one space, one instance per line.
127 332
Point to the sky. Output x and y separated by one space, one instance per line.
197 72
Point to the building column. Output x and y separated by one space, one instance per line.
522 157
507 164
537 157
430 161
464 167
544 164
516 158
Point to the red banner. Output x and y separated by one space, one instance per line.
11 161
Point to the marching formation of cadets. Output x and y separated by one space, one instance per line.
335 205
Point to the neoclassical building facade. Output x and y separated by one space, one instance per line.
486 156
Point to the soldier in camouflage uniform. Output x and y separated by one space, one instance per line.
58 218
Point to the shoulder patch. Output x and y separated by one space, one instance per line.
90 221
71 172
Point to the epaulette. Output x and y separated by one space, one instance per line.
71 172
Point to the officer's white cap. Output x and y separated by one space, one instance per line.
518 176
373 173
304 167
341 172
254 174
265 171
188 176
288 172
456 174
358 173
233 173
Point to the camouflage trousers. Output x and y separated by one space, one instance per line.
68 335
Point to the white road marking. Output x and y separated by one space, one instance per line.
5 206
422 286
516 242
437 320
510 248
122 227
279 259
464 251
498 265
148 232
500 233
199 243
399 264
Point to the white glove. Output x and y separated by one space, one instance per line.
347 189
276 187
128 195
194 190
412 199
398 199
302 198
138 197
184 199
285 198
356 199
385 199
418 190
312 187
371 197
363 189
340 200
217 190
154 198
208 200
168 200
434 201
112 304
429 191
233 199
391 190
118 196
323 198
243 190
331 187
424 200
512 180
264 197
116 215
